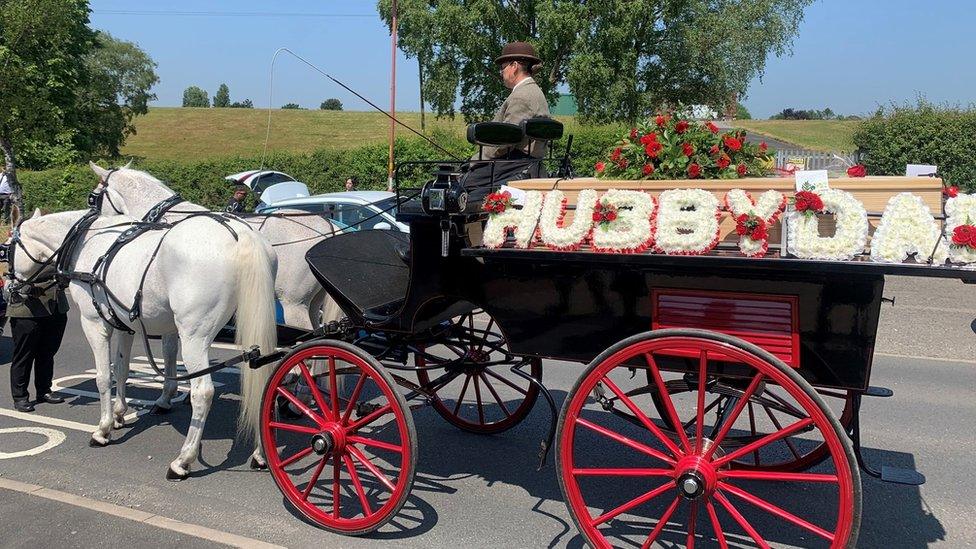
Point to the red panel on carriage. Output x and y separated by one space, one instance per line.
769 321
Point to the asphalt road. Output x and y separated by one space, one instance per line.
470 491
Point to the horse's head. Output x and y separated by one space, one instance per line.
31 248
128 191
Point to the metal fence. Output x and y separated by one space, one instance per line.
815 160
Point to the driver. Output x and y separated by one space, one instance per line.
516 65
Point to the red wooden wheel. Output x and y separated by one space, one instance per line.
484 396
347 461
628 480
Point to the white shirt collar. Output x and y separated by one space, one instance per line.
520 82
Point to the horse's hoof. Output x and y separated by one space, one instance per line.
118 424
257 465
173 476
158 410
96 444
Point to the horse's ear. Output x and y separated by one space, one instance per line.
101 172
127 165
37 213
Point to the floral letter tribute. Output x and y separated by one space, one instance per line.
907 227
961 229
551 229
687 223
522 221
623 222
753 219
849 239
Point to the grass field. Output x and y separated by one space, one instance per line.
819 135
198 134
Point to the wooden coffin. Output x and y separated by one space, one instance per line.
873 192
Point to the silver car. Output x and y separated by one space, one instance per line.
356 210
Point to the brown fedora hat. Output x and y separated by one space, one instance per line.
518 51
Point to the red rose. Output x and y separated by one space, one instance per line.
648 169
802 205
694 170
596 216
763 146
687 149
660 120
964 235
653 148
648 138
615 155
623 163
741 170
808 201
600 166
740 224
611 215
633 133
598 206
723 161
712 127
951 192
732 143
759 233
714 149
857 171
681 126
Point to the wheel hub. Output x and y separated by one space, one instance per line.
696 477
331 440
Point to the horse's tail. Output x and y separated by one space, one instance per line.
255 322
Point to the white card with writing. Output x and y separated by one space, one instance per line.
916 170
814 178
518 195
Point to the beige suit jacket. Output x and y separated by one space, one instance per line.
526 101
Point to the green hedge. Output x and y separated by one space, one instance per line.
324 170
921 134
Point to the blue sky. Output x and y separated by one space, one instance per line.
850 56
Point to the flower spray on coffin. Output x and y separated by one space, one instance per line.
851 235
623 222
961 229
907 227
754 218
521 223
553 233
687 222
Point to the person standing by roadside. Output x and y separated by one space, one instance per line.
352 183
236 204
38 315
7 199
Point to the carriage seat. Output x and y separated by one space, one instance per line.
542 128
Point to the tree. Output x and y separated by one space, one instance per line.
246 104
742 113
195 97
222 97
291 106
43 44
622 59
331 104
120 80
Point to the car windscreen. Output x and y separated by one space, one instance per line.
388 205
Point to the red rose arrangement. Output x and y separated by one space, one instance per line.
682 126
694 171
752 226
964 236
808 202
604 214
496 203
599 167
732 143
857 170
687 149
741 169
951 192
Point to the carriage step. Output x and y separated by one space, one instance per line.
899 475
881 392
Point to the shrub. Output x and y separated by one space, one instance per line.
921 134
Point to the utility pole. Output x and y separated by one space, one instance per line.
420 65
393 50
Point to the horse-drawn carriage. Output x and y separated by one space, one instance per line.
721 396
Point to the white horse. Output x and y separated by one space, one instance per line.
304 302
199 277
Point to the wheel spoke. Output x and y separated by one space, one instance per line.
752 429
352 399
716 525
645 421
506 382
359 424
700 416
372 468
293 428
376 444
730 420
314 479
351 468
755 445
777 511
316 394
477 394
494 394
301 406
668 404
623 472
691 525
336 497
661 523
333 389
298 455
464 388
789 443
632 503
777 476
625 440
741 520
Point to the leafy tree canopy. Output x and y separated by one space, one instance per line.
222 97
195 97
331 104
291 106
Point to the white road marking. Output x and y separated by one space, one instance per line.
54 438
935 358
52 421
135 515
